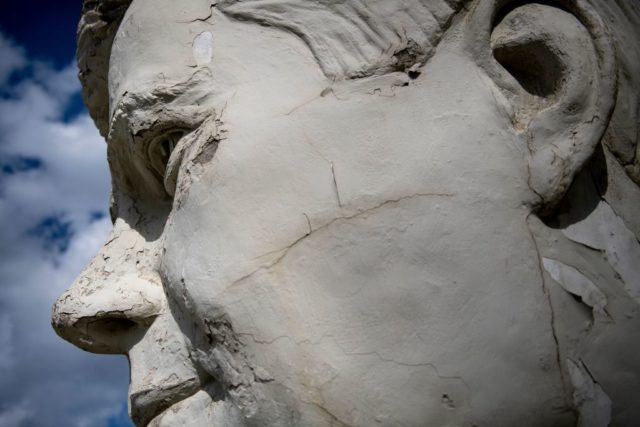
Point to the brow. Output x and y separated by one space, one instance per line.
163 103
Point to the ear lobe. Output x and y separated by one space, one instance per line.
556 63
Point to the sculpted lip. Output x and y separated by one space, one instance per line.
147 404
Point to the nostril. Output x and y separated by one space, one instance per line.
114 325
107 332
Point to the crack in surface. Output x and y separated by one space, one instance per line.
281 337
552 319
211 6
333 417
335 184
347 353
335 421
411 365
308 223
286 249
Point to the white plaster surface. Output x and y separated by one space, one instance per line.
594 405
576 283
605 231
328 213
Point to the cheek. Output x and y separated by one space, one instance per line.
418 265
276 179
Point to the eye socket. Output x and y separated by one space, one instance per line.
160 149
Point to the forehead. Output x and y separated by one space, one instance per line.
101 21
154 41
349 38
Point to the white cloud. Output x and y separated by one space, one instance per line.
15 416
55 179
13 59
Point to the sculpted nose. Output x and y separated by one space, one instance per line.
113 301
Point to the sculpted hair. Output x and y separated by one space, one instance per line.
357 38
99 22
349 38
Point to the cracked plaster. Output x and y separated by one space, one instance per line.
382 213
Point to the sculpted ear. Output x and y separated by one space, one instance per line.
555 63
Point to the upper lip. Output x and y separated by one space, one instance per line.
149 403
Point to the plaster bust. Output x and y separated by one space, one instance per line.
350 213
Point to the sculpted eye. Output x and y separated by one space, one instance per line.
161 147
160 150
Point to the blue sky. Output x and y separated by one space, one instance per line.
54 188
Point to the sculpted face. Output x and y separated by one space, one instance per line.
295 246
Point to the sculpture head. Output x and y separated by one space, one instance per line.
323 210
